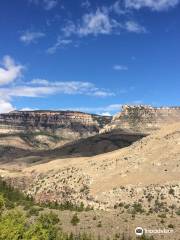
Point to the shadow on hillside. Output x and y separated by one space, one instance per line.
91 146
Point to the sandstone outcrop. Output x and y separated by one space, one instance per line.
53 120
50 128
142 118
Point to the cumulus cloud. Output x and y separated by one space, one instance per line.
120 67
157 5
5 106
31 37
9 71
38 87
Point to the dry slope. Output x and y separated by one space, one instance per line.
147 172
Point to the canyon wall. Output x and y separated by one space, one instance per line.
52 129
142 118
52 121
138 117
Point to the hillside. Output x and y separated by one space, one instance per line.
127 173
149 165
90 146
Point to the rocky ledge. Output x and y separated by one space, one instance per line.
142 118
53 121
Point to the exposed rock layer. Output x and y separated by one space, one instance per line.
143 118
53 120
50 128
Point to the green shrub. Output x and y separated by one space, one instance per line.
2 202
170 226
13 195
15 226
137 208
75 220
99 224
162 215
33 211
9 204
178 211
44 228
12 226
171 191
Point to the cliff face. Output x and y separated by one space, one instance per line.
63 126
143 118
52 121
52 129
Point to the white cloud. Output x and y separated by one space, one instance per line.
85 4
106 114
25 91
69 29
104 110
61 43
40 81
120 67
108 108
5 106
50 4
46 4
118 8
95 23
134 27
41 87
9 71
101 93
157 5
31 37
28 109
100 22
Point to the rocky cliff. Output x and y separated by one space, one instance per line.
53 120
53 129
57 125
142 118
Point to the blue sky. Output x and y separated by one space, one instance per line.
89 55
